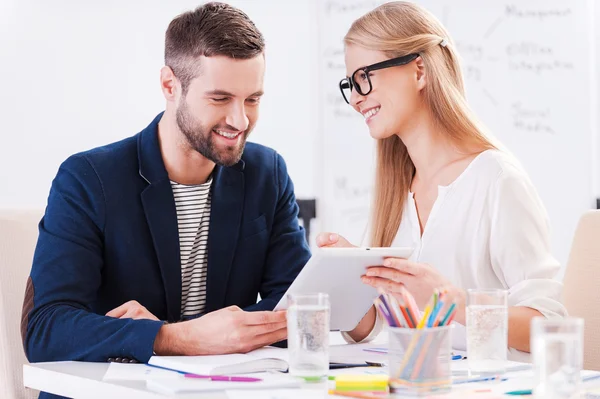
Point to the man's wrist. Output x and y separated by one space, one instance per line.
169 340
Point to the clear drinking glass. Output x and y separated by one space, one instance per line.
557 354
487 331
308 335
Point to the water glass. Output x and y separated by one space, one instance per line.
419 361
487 331
308 335
557 354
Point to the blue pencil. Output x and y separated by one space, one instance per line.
434 313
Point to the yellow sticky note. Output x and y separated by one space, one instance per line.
360 382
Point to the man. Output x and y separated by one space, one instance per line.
179 221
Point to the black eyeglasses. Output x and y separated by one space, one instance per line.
360 80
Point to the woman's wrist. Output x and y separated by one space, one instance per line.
364 327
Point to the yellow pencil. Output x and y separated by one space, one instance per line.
425 317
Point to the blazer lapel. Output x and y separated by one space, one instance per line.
225 218
161 215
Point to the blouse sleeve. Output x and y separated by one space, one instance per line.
372 335
520 246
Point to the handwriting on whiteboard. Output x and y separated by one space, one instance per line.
514 11
531 119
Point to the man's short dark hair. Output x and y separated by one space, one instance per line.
209 30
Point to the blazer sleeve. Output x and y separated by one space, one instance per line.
57 321
288 250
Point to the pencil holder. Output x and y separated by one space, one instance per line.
419 360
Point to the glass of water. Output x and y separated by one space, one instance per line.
487 331
308 335
557 354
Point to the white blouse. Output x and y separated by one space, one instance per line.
488 229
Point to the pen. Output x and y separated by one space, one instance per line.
223 378
481 379
590 377
376 350
522 392
211 377
334 366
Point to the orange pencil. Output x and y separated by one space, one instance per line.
359 395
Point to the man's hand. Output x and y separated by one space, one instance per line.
229 330
131 310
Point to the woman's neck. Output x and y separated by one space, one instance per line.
429 149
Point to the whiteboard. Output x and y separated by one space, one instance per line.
529 72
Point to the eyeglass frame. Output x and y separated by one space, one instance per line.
398 61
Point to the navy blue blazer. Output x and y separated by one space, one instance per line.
109 235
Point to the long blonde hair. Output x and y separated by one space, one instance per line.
400 28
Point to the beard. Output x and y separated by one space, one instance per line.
202 140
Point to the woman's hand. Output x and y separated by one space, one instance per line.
325 240
418 278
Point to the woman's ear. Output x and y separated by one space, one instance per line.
421 75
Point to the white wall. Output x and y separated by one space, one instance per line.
79 74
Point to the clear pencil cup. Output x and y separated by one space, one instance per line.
419 361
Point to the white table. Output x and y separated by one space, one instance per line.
85 380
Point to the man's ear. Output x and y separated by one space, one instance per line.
421 73
169 84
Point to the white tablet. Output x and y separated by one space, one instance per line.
337 272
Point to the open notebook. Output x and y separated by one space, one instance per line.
221 365
265 359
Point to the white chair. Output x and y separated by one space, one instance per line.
582 282
18 236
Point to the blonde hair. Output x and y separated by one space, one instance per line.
400 28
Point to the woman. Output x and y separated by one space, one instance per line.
442 185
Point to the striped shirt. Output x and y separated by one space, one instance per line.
193 217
